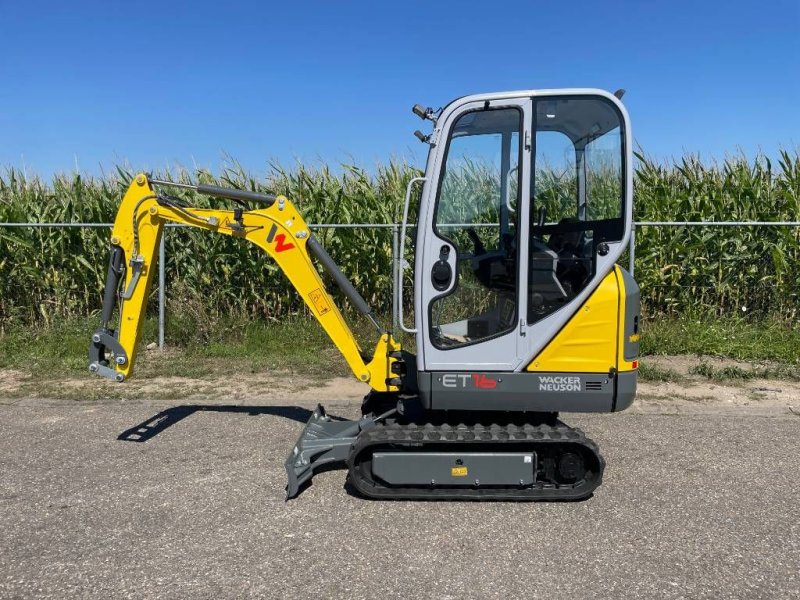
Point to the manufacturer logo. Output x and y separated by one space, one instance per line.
281 244
559 383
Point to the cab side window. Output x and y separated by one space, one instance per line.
577 197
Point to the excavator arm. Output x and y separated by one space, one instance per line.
277 228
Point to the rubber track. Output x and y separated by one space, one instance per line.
543 439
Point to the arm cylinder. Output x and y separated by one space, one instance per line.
243 195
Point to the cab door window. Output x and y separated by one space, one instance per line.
476 212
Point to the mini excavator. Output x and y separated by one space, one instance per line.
520 309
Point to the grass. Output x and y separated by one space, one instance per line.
51 361
771 347
292 346
732 337
651 372
736 373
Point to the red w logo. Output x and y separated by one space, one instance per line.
280 243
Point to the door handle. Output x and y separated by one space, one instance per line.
441 274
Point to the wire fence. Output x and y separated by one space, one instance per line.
742 273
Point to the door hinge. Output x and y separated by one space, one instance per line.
527 140
522 331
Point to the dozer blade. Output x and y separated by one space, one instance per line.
322 442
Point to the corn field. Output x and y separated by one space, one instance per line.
718 271
52 274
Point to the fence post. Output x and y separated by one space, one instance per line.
632 248
161 281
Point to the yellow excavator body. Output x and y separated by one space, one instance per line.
521 310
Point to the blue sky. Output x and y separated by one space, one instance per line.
164 83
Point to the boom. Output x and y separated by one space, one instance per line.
278 229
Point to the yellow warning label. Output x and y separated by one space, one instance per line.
319 301
633 338
458 471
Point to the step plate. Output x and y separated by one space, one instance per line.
465 469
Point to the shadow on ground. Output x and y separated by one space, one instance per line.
156 424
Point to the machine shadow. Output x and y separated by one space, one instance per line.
148 429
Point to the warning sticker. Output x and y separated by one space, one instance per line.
458 471
319 301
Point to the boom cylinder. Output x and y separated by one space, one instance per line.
316 249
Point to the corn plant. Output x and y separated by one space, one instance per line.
50 274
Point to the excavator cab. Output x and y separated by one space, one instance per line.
525 209
520 310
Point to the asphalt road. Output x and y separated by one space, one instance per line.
702 505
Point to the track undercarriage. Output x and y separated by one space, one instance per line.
450 456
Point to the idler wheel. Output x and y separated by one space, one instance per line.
571 467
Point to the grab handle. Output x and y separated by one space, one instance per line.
402 266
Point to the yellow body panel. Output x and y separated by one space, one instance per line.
279 230
622 364
590 342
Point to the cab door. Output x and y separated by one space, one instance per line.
469 273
